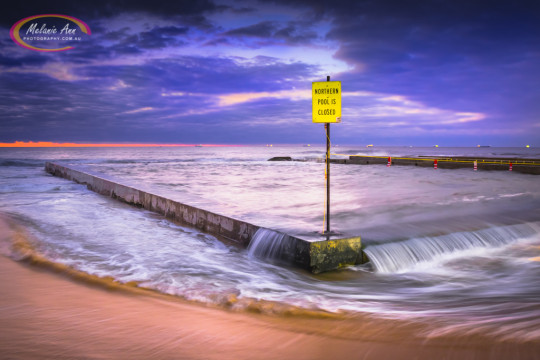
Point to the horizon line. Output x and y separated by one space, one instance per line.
50 144
69 144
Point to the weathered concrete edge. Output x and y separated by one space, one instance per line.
336 253
318 256
323 255
221 226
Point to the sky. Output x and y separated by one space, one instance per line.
452 73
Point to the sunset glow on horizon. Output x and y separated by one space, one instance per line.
24 144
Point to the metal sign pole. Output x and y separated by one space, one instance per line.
327 174
326 108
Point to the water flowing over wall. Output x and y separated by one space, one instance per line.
269 244
405 255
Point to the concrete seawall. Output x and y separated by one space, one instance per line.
311 254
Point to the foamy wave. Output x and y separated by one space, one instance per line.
418 253
20 246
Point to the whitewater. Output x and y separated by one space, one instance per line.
458 248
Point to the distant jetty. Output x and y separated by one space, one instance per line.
526 166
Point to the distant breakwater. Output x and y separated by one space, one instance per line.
526 166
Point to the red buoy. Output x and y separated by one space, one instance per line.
389 161
435 164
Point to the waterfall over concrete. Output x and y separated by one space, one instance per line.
403 255
268 244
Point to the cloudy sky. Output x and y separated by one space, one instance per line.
417 72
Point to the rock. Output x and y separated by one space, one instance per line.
281 158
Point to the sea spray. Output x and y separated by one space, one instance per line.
405 255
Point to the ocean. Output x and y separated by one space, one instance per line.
459 249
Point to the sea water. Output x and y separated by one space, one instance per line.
460 248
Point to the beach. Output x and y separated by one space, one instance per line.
51 314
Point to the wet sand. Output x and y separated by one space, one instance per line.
46 313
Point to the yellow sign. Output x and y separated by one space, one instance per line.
326 99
